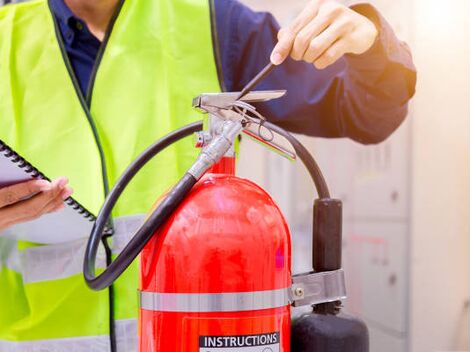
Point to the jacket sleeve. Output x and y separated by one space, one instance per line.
362 97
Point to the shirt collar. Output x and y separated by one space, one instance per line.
67 20
61 11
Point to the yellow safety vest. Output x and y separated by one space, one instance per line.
157 57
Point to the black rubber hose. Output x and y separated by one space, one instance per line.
112 315
167 206
143 235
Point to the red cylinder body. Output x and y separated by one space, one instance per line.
225 241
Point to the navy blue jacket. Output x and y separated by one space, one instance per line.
362 97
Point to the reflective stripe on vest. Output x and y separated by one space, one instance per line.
155 61
60 261
9 254
126 334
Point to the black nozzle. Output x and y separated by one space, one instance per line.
327 243
327 234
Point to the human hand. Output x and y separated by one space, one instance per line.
30 200
323 33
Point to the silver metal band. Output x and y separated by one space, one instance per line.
214 302
315 288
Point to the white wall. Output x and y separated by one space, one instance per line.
440 270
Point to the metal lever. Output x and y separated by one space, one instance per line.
209 101
257 79
232 106
270 145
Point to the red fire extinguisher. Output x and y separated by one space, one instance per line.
216 251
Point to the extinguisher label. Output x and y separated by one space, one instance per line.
247 343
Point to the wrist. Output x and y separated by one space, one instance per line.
373 58
370 13
375 27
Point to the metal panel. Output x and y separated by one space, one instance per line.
381 178
375 262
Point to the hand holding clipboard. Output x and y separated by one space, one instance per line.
29 200
34 209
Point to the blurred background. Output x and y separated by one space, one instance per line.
406 201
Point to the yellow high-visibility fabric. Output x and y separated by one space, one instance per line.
158 56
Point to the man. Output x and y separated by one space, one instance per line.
86 85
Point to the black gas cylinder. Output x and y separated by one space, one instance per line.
314 332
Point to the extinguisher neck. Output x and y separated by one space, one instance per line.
226 165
